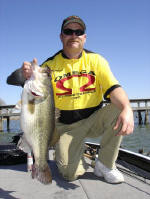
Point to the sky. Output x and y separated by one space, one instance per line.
119 30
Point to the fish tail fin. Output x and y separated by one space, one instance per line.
43 175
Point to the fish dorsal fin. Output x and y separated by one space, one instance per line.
18 105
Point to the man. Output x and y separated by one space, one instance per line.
80 81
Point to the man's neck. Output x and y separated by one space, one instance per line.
72 55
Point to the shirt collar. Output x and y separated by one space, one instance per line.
64 56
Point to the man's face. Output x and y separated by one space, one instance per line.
73 42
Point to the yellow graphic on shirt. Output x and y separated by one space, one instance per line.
80 83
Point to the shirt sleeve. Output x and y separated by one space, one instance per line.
107 80
16 78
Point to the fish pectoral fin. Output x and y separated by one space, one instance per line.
55 138
18 105
57 113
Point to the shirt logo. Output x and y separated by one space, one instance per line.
60 80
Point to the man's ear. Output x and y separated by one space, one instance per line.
61 37
85 36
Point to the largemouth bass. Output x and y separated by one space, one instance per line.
38 119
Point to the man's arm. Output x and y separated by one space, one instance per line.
19 76
119 98
16 78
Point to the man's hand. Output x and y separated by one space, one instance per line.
26 68
125 120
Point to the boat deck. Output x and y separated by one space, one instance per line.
16 183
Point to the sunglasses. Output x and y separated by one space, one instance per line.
77 32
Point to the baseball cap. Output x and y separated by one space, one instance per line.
73 19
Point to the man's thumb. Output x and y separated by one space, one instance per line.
35 61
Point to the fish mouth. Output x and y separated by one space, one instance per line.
35 90
36 95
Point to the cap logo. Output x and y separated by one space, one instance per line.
73 17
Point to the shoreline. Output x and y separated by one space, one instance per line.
13 118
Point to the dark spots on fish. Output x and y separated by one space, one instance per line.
31 106
43 175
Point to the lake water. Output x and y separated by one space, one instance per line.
140 139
